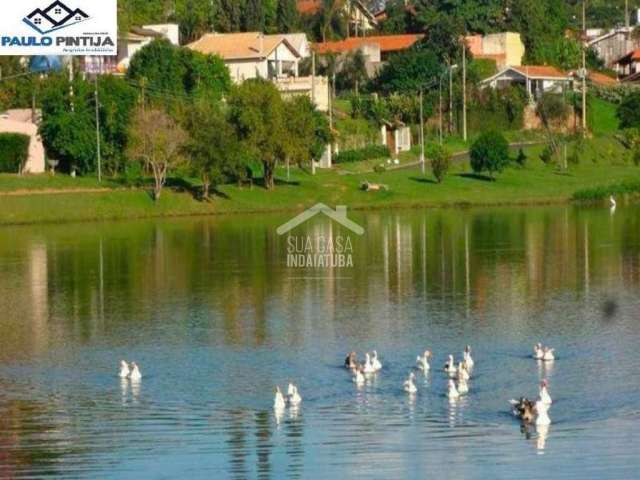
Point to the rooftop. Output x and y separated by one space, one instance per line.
238 46
387 43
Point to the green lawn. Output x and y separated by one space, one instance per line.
603 162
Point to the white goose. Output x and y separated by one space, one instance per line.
542 413
377 365
450 366
463 373
124 369
135 374
408 384
548 355
544 393
538 351
468 360
453 392
463 386
278 401
612 203
422 362
294 397
368 366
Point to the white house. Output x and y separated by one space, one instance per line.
537 79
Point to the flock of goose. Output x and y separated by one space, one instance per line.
130 371
528 411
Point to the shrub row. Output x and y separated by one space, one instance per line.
604 191
367 153
14 151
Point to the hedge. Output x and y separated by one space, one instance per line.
367 153
14 151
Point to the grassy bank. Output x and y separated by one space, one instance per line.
604 162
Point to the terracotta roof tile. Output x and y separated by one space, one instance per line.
541 71
387 43
232 46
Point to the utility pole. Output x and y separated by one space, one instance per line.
422 156
98 131
73 108
464 89
440 108
313 77
584 69
450 99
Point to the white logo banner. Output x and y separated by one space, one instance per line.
60 27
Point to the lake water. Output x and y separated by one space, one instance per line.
216 318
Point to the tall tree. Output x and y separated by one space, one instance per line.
229 15
156 140
258 114
288 18
253 16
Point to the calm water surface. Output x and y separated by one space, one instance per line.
216 318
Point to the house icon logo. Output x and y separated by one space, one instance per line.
338 215
55 17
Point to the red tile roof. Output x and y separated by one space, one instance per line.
387 43
541 71
309 7
602 79
632 56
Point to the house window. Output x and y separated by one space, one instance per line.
58 11
37 21
78 18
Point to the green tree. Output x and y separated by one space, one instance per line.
353 73
629 111
288 18
253 16
409 71
213 147
166 72
156 140
440 159
229 15
307 130
258 114
330 23
195 18
490 153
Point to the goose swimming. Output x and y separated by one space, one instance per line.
377 365
135 372
467 357
351 362
422 362
544 393
278 401
542 415
453 392
124 369
548 355
463 386
463 373
538 351
294 397
368 366
450 366
408 384
523 409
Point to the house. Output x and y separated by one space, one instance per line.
505 48
396 136
613 45
25 122
536 79
360 18
628 67
129 44
251 55
376 49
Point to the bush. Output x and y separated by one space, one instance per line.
379 169
629 111
521 159
501 109
547 155
367 153
490 153
552 108
599 193
14 151
440 161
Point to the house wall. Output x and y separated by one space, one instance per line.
506 43
614 47
290 87
19 121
